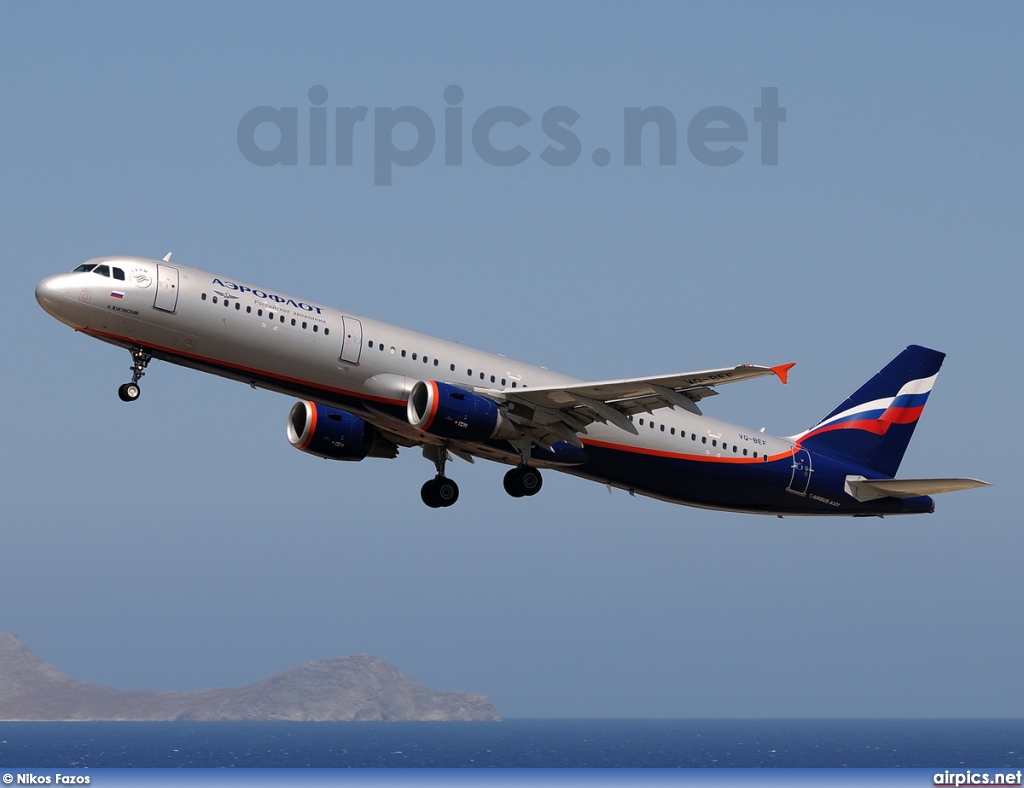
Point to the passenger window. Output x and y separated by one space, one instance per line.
314 328
238 306
214 299
327 331
202 297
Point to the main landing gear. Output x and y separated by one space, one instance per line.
523 481
439 492
129 392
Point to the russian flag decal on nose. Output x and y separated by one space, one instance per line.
115 294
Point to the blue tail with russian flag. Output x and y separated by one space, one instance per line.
873 427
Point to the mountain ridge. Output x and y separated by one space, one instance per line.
352 688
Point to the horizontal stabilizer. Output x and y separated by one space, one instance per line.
868 489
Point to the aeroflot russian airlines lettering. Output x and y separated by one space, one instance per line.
369 388
269 296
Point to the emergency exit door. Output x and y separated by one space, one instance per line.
351 339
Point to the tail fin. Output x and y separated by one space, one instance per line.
874 425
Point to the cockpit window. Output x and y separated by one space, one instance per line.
102 270
84 267
118 274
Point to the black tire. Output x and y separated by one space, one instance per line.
129 392
446 492
509 482
529 480
427 494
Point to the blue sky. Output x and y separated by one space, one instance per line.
179 542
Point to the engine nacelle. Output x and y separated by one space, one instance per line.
335 434
452 412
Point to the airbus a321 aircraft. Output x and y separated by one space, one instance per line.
369 388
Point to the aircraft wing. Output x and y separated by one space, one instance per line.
565 411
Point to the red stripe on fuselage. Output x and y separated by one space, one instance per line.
240 368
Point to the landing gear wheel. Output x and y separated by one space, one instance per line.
446 492
128 392
509 483
522 481
427 494
439 492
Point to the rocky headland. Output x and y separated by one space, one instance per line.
341 689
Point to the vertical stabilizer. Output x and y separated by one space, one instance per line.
874 425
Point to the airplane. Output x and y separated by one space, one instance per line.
367 389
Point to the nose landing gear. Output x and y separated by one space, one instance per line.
129 392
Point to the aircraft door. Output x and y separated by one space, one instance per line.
351 340
801 478
166 288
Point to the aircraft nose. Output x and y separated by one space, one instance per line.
49 294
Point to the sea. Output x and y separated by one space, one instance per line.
932 744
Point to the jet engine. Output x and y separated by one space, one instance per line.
335 434
452 412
